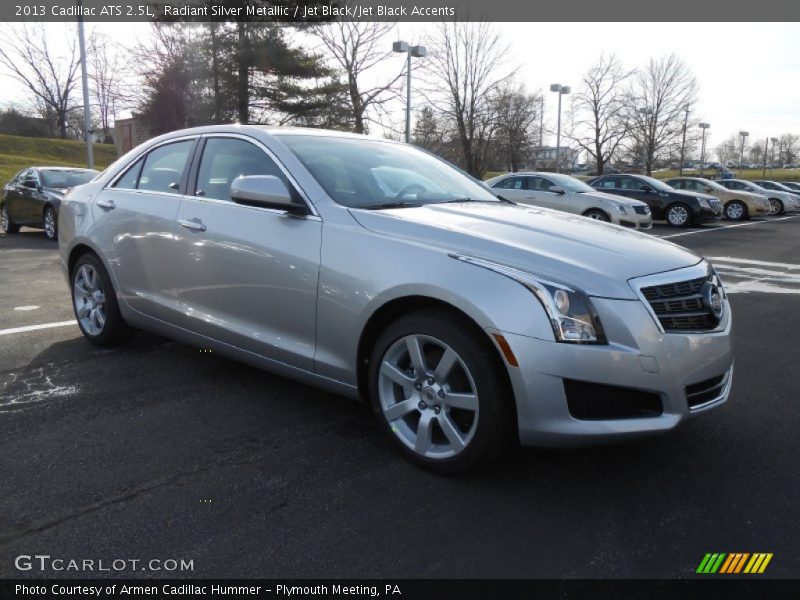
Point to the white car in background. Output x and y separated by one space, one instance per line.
568 194
776 186
780 200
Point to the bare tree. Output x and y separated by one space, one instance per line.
50 79
656 105
358 47
599 111
788 148
728 151
467 66
517 116
105 74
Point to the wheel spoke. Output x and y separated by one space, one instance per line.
424 433
415 353
446 364
396 375
83 311
451 432
100 317
465 401
400 410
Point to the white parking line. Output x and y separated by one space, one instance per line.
36 327
710 229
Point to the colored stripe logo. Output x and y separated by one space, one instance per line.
734 563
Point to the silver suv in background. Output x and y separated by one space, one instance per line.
568 194
375 270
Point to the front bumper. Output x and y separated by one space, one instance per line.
634 220
708 214
638 357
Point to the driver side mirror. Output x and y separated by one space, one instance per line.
646 188
265 191
30 183
557 189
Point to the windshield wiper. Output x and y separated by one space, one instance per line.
383 205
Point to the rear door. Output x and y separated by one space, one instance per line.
135 227
247 275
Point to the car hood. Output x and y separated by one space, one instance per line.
597 257
612 198
696 194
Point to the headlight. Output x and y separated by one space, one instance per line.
621 209
571 313
704 203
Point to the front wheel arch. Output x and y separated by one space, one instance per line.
599 211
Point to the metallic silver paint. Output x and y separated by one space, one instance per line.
293 295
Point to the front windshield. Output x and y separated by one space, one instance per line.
60 178
366 173
656 184
714 185
571 184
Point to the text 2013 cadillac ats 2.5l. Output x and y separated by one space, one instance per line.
376 270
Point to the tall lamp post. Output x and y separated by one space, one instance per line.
416 52
683 143
561 90
87 115
646 113
766 151
703 126
743 135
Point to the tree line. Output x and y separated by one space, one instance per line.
471 106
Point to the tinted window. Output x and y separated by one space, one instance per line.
164 166
630 183
65 179
511 183
131 177
225 159
678 184
608 183
540 184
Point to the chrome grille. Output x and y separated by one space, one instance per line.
679 305
715 204
642 210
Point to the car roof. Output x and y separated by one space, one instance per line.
282 131
62 168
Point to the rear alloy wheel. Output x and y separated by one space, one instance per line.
95 303
735 210
777 206
5 219
50 223
438 387
597 215
678 215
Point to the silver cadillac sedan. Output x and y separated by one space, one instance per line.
376 270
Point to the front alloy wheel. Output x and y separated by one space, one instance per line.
5 219
735 210
428 396
439 388
597 215
678 215
50 223
777 206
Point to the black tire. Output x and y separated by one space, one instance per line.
777 205
115 331
495 429
7 224
597 215
50 233
678 214
736 207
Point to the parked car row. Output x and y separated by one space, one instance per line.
33 196
635 201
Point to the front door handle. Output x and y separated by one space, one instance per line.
530 196
193 224
109 204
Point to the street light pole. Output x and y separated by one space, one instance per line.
766 151
87 115
561 90
683 143
703 126
416 52
743 135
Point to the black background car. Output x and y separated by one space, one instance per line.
677 208
33 196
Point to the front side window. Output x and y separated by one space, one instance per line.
225 159
164 166
540 184
353 172
511 183
678 185
607 183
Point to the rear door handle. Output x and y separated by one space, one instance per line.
193 224
109 204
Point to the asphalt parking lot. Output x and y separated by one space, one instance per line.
158 450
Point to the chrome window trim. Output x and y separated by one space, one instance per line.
132 162
277 211
702 269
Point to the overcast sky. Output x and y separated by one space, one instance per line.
749 74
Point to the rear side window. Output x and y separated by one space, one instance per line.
540 184
164 166
225 159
